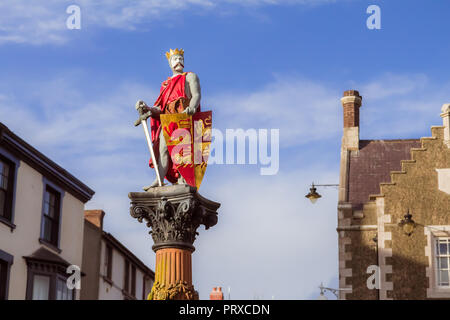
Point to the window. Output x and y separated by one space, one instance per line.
7 179
51 215
41 287
47 277
4 186
437 251
126 283
6 261
129 286
133 281
144 278
108 261
50 287
62 290
442 262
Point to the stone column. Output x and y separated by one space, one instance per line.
174 213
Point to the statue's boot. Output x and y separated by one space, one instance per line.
181 180
153 185
156 183
163 167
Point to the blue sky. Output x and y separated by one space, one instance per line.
262 64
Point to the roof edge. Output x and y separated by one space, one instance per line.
24 151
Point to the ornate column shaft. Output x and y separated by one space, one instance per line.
174 213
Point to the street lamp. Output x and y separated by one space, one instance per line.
407 224
322 296
313 195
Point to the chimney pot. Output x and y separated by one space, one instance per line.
350 93
216 294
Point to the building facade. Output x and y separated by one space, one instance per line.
41 222
393 212
112 271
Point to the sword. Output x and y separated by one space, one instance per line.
140 107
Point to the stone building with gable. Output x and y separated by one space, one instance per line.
384 253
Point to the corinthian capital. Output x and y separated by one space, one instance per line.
173 213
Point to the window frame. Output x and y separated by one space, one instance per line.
126 276
64 279
54 277
54 271
108 261
133 280
31 280
436 266
433 233
49 185
8 260
145 278
14 164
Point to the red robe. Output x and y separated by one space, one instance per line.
172 99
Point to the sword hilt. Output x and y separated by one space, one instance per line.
142 108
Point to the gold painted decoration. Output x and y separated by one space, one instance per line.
188 140
175 291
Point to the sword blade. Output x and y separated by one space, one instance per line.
150 147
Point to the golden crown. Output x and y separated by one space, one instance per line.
174 52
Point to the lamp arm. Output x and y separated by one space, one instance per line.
334 291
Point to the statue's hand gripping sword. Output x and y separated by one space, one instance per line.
142 108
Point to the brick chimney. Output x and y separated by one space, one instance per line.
216 294
351 102
446 123
95 217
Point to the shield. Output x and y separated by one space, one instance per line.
188 140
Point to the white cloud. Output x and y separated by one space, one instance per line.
303 110
391 85
67 118
22 22
394 106
29 23
401 106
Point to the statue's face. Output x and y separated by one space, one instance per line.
177 63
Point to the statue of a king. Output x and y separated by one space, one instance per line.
180 93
